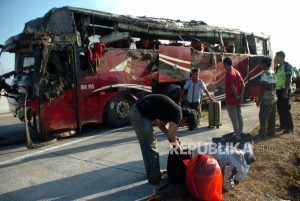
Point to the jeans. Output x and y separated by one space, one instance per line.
267 119
235 114
144 132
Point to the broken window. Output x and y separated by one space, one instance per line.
58 75
259 46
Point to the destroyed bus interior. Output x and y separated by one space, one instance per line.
78 66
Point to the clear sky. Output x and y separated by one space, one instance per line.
276 18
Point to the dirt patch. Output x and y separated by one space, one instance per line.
275 174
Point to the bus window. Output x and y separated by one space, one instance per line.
28 61
259 46
252 44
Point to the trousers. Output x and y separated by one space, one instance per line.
235 115
284 110
147 140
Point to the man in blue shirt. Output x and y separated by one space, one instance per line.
194 87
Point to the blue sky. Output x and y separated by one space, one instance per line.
276 18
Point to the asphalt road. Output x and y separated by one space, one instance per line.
98 164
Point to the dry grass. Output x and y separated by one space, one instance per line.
276 173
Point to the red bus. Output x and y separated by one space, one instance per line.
77 66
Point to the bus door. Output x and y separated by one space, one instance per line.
87 79
56 90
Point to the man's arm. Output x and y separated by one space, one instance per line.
233 90
207 93
162 126
242 92
263 90
170 132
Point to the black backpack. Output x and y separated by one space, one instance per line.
175 167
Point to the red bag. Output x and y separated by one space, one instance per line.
204 178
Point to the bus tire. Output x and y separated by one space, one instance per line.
117 109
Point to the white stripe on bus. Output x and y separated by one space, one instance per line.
174 59
174 65
133 86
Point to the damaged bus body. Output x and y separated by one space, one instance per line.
76 66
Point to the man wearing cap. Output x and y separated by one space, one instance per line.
235 86
284 73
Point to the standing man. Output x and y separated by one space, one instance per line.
284 77
235 87
162 110
194 87
267 99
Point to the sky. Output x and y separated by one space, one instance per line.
276 18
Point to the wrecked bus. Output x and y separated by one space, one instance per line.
77 66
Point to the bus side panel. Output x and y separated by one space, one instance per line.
253 87
59 113
208 68
174 63
120 70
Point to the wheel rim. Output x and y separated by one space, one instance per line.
122 109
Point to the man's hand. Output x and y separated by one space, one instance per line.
240 98
176 145
161 125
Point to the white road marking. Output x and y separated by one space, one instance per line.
56 147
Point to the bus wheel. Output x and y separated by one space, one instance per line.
117 109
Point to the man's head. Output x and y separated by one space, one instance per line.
227 63
266 61
195 73
190 118
279 57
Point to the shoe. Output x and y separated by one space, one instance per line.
163 171
279 129
287 131
154 181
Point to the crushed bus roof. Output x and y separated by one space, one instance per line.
159 27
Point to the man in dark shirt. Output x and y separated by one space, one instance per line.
162 110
